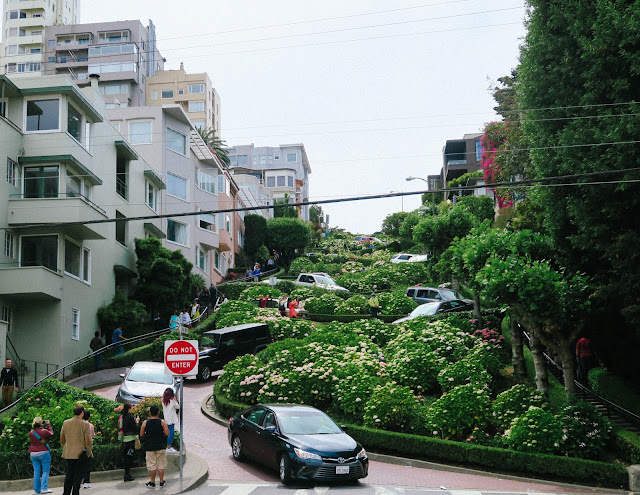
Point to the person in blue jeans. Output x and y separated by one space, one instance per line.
117 338
40 454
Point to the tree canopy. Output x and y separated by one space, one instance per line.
288 236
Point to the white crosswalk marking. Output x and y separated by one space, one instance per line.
321 490
243 489
304 491
383 490
465 492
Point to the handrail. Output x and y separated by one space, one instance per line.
155 333
632 417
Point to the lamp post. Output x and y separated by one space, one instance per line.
401 198
416 178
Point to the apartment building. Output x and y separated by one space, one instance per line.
193 92
123 53
254 194
284 170
64 166
24 24
195 181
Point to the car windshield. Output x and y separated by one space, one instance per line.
426 309
308 422
209 341
325 280
153 375
451 294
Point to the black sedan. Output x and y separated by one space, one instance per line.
299 441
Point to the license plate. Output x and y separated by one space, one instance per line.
342 469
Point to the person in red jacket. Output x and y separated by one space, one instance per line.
40 454
586 358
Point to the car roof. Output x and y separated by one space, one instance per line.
235 328
148 364
289 407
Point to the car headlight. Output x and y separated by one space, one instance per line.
303 454
124 394
362 454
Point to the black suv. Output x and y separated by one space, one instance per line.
226 344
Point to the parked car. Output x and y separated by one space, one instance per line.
225 344
423 295
145 379
418 258
367 238
300 442
433 308
402 258
322 280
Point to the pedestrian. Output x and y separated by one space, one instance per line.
292 308
157 323
118 338
40 454
154 431
9 381
271 264
275 256
128 433
282 305
186 319
174 321
213 296
586 359
95 345
194 310
256 273
170 408
75 438
263 301
374 305
86 477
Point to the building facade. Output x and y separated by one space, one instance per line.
64 167
284 170
193 92
123 53
23 31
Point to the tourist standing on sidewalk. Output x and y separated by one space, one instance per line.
129 430
75 439
40 454
154 431
9 382
86 477
95 345
170 408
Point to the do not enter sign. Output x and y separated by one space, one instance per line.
181 357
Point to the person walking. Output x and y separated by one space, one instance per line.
374 305
118 338
256 273
9 382
292 308
40 454
586 358
155 431
75 438
86 477
129 431
170 408
174 321
95 345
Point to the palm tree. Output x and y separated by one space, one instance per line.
218 145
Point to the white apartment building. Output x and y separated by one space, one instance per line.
24 23
63 165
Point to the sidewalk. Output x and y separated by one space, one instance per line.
195 472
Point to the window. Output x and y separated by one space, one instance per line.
74 186
113 67
228 223
41 182
280 180
196 88
140 132
114 89
201 260
207 182
276 157
154 94
116 125
221 184
39 250
177 232
271 182
291 157
216 259
176 141
207 221
176 186
478 150
74 123
43 115
152 196
167 93
122 177
121 228
196 106
198 124
13 172
180 91
9 244
243 159
76 260
75 324
290 181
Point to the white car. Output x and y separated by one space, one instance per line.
432 308
145 379
418 258
402 258
322 280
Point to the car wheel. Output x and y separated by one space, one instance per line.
285 469
236 448
204 373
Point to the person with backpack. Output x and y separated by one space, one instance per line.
95 345
155 431
40 454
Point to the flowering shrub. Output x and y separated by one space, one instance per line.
468 370
376 330
256 292
391 407
242 378
235 307
352 392
456 414
325 305
300 265
586 432
237 318
536 430
396 303
356 305
415 368
287 328
513 403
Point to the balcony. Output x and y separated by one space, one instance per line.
225 242
30 283
207 238
77 40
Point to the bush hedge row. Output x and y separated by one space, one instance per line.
470 455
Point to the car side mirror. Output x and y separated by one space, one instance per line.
121 375
344 427
271 428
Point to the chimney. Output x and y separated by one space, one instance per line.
182 66
94 78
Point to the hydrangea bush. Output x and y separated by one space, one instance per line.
256 292
586 431
355 305
396 303
513 403
324 305
537 430
465 371
392 407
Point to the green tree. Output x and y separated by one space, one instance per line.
288 236
284 210
392 223
255 234
122 311
219 146
165 279
435 232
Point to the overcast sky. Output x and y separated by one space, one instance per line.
372 88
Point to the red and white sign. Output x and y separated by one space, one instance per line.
181 357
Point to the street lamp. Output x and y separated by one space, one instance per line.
401 198
416 178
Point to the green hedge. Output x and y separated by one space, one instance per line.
17 465
613 388
471 455
142 353
627 444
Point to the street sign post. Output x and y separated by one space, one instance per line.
181 359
